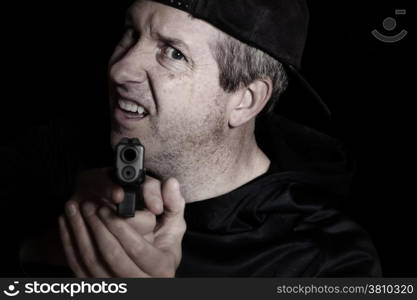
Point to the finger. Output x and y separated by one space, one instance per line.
70 252
172 226
83 241
173 200
148 258
110 249
152 195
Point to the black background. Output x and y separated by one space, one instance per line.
54 61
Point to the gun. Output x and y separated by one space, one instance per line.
130 174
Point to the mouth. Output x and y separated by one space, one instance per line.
131 110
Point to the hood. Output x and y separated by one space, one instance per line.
284 222
305 155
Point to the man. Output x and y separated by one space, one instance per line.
190 80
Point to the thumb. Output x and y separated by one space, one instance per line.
173 201
171 226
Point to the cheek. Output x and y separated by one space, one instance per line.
207 85
184 97
172 91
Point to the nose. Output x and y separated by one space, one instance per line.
129 66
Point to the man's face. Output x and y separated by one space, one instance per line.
164 63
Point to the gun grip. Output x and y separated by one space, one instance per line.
127 208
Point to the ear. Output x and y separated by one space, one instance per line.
250 101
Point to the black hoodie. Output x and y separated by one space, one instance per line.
284 223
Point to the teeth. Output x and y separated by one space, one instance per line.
130 106
140 110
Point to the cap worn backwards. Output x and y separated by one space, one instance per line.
277 27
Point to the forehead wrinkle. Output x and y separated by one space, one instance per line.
170 32
163 33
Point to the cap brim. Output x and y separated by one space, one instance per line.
304 83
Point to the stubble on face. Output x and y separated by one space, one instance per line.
187 134
187 145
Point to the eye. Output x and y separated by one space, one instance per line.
173 53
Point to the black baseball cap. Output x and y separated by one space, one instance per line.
277 27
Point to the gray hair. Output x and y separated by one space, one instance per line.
240 64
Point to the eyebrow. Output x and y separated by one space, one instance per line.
172 41
175 42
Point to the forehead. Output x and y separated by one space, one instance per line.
153 17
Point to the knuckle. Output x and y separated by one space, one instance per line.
181 228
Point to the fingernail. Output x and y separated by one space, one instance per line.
71 210
171 183
175 183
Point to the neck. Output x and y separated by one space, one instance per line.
223 170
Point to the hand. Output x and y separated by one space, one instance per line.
97 243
